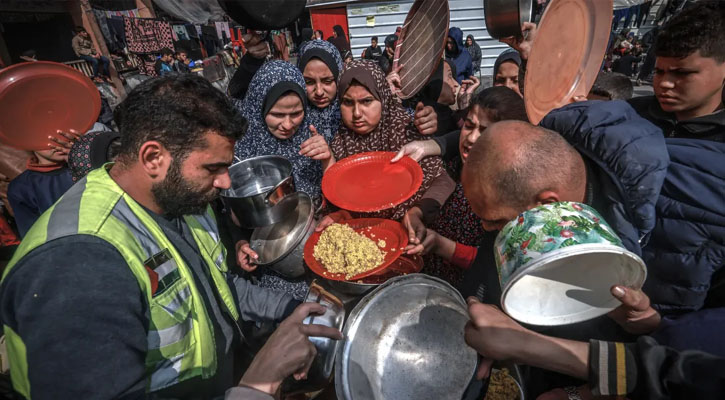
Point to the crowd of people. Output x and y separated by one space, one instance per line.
133 280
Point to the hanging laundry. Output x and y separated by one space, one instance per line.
180 31
191 31
222 31
101 20
140 36
127 13
198 30
145 35
117 29
210 40
164 35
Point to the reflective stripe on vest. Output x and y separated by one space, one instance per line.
180 335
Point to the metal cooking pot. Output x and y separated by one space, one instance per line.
263 15
504 18
260 194
281 246
320 372
403 340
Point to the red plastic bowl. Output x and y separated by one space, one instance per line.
368 182
39 98
393 233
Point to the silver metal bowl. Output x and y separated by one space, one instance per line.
261 191
281 246
505 17
404 340
320 372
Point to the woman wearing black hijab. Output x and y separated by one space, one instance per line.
339 39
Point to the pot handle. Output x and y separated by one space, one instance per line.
283 189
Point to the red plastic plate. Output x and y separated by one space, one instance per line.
39 98
404 265
393 233
368 182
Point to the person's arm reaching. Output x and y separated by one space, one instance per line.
81 315
260 304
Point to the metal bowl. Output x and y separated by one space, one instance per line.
504 18
404 340
320 372
260 191
402 266
280 246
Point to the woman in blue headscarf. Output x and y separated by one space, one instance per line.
279 124
321 65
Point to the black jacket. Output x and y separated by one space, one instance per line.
709 127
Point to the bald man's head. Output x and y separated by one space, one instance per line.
514 166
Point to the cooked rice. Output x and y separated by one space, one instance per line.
502 386
341 250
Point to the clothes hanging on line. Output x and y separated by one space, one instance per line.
180 31
145 35
127 13
222 31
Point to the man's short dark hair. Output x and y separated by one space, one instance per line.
177 111
375 38
699 27
613 85
79 29
167 52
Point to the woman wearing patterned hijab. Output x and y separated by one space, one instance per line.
374 120
321 65
279 124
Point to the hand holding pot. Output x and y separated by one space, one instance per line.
246 256
635 315
288 352
425 119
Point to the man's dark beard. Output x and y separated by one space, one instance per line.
176 196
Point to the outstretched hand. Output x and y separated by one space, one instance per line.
394 81
418 150
63 147
315 147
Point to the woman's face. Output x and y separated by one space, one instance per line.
469 41
285 116
450 86
320 83
361 112
476 122
508 75
318 35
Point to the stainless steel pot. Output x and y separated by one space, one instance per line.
404 340
281 246
260 191
320 372
505 17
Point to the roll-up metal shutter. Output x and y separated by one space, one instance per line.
366 20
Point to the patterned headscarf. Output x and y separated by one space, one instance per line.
394 130
259 140
325 120
90 151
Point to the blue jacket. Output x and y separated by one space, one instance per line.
459 57
664 197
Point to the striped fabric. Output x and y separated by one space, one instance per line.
612 368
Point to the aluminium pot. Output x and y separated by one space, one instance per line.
504 18
320 372
263 15
557 263
261 191
281 246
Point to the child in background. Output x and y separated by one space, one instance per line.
46 179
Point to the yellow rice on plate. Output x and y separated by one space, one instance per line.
341 250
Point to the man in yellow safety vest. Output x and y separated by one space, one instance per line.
121 289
